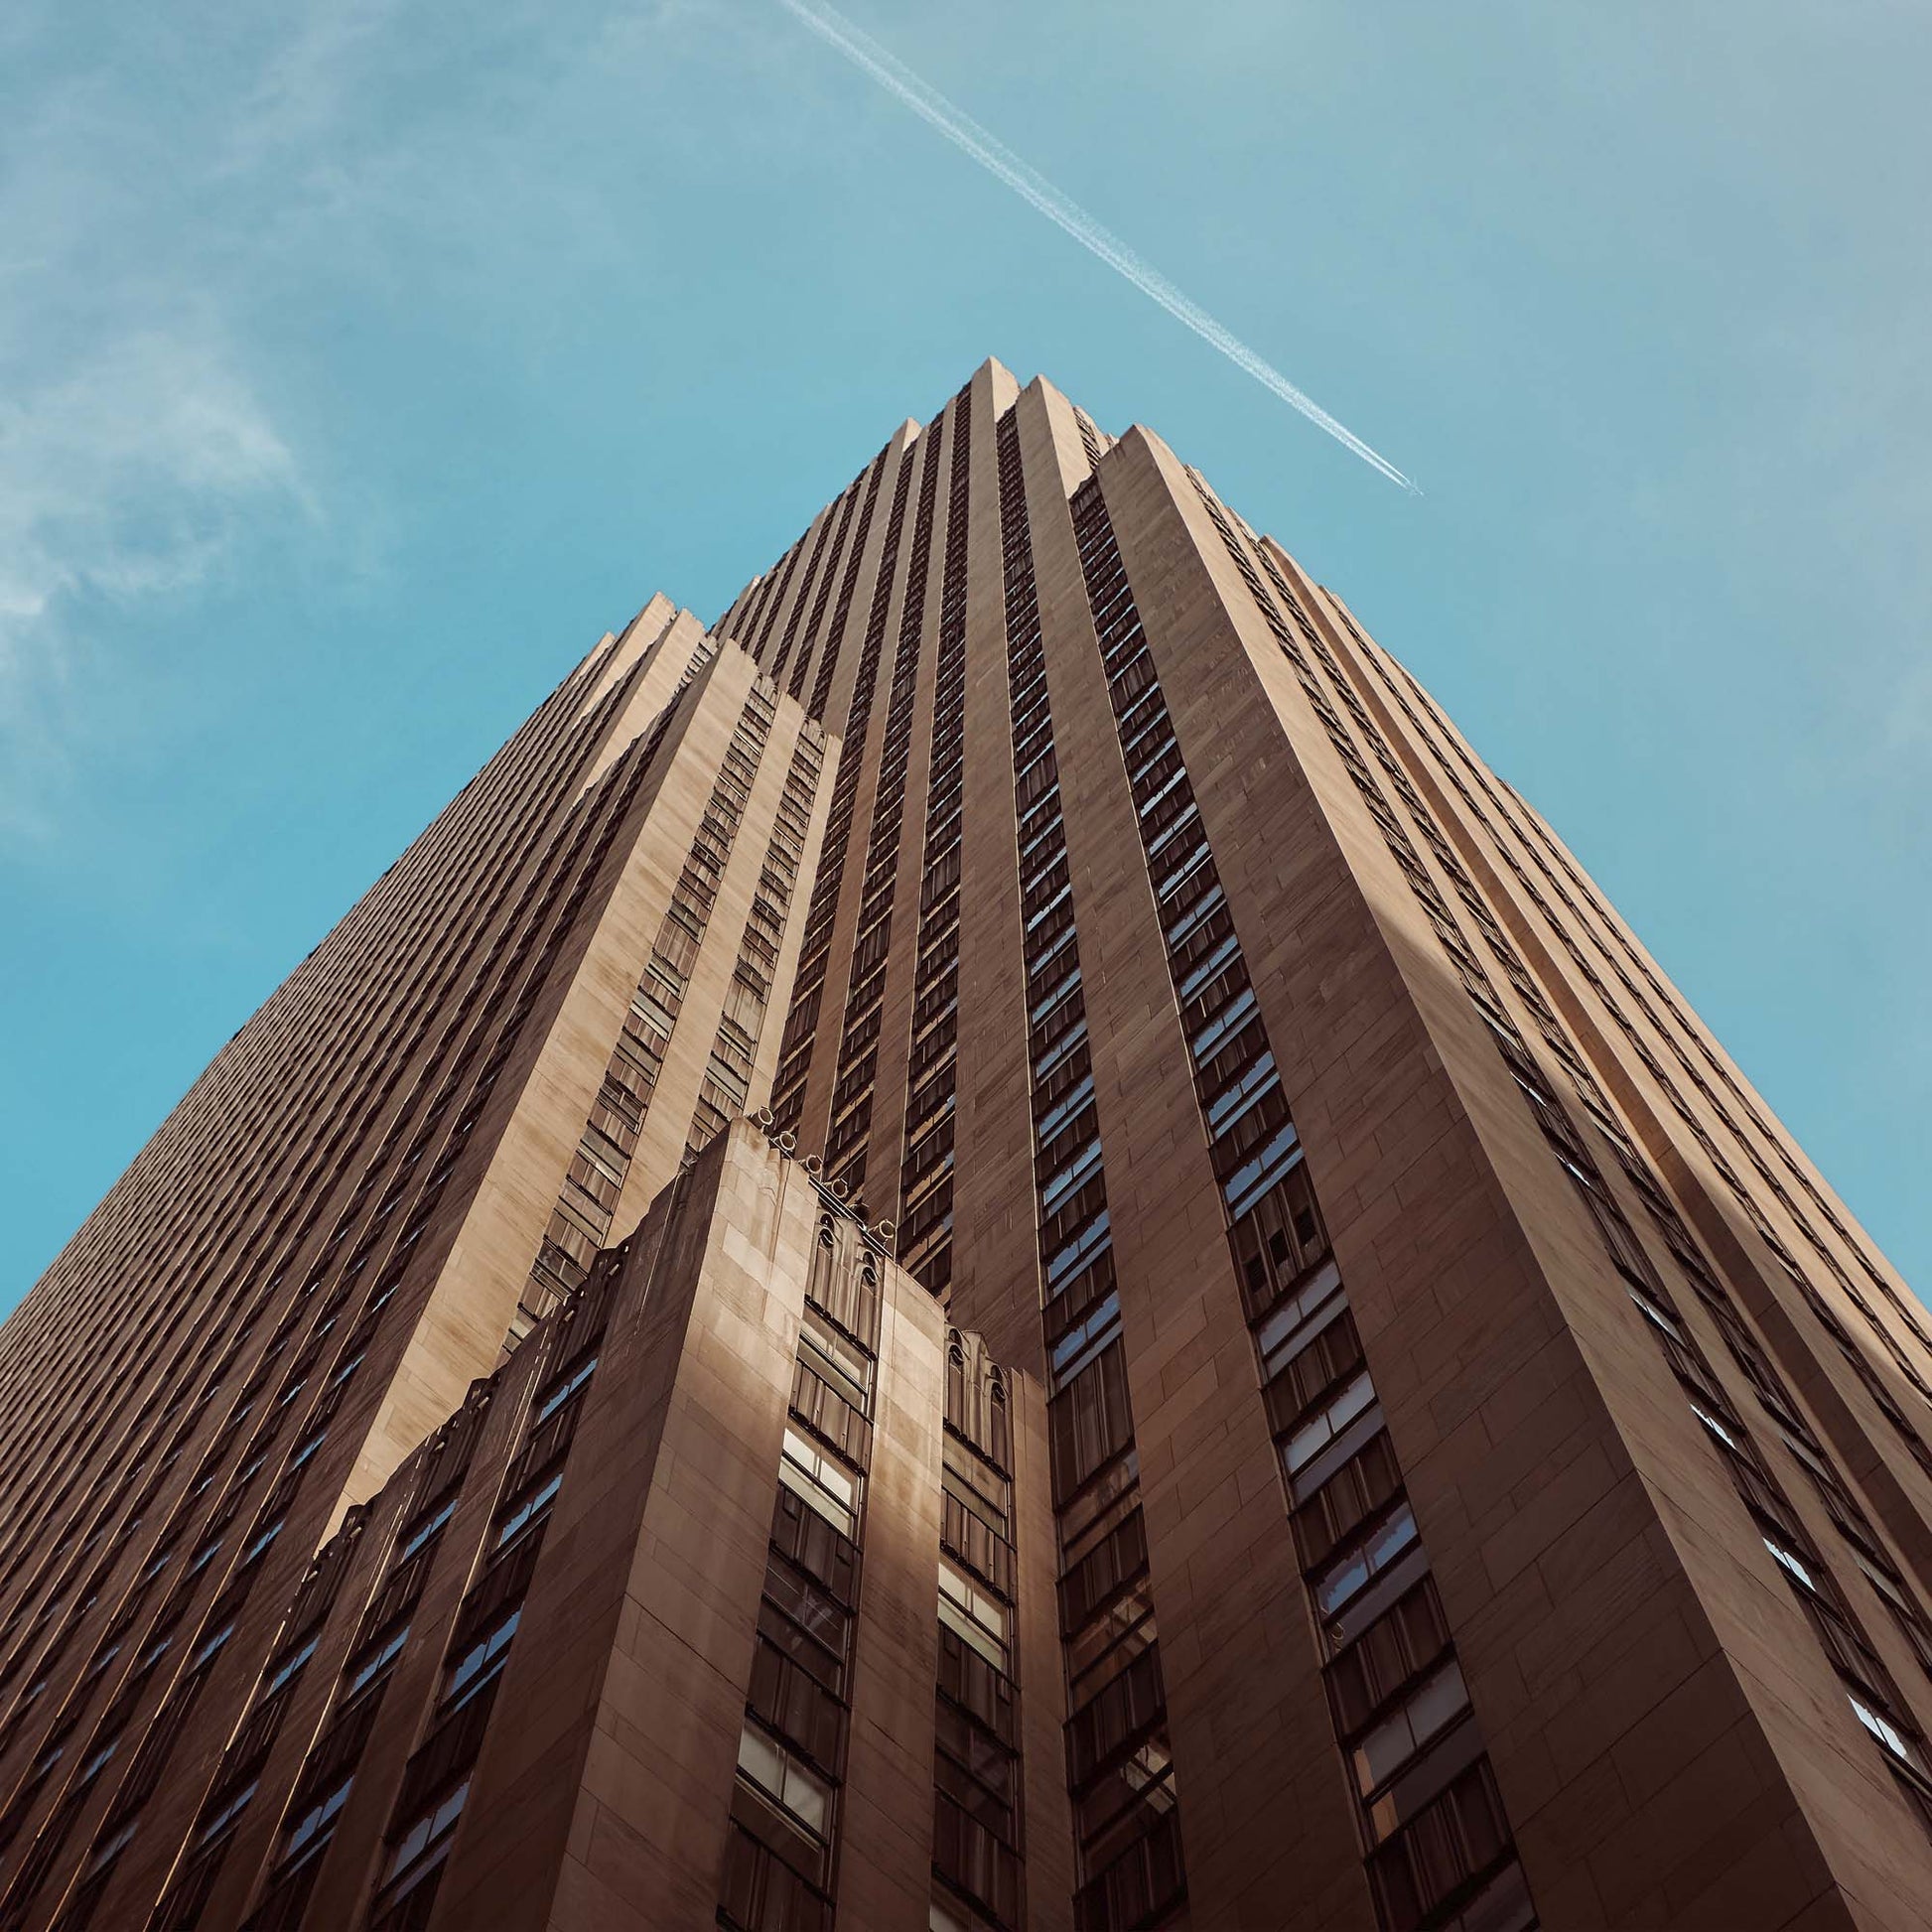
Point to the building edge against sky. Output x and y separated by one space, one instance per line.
1263 1368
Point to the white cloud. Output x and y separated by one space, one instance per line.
129 474
126 472
305 83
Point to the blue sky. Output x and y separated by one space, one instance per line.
360 364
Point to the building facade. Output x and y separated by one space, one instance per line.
1253 1364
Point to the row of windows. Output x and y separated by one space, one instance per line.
734 1052
580 1219
753 614
273 1414
1589 1091
926 1174
847 1142
836 516
1355 1531
769 599
435 1780
158 1735
781 1841
382 1634
569 861
329 1770
339 1130
842 611
1625 959
1867 1552
1875 1698
976 1843
1126 1831
255 1545
801 1022
812 631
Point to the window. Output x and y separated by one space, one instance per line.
1073 1238
794 1784
1089 1420
107 1853
1070 1175
1400 1733
835 1359
534 1507
1366 1559
429 1835
481 1661
977 1487
102 1659
1456 1836
209 1647
974 1613
226 1816
1792 1564
1657 1316
316 1823
1387 1636
1327 1422
1887 1732
807 1623
820 1481
1277 1240
1118 1719
376 1662
260 1545
1717 1427
563 1392
290 1669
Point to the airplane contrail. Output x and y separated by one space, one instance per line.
1000 161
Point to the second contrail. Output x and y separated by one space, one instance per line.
1001 161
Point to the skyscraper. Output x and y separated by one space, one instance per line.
1250 1363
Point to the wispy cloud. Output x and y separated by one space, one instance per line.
305 81
128 476
1004 165
140 450
128 473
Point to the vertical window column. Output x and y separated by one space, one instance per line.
1873 1696
734 1054
976 1812
1120 1768
851 1120
435 1780
836 517
829 651
1438 1845
808 987
926 1171
581 1220
781 1841
321 1786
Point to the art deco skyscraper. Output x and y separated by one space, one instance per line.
1252 1364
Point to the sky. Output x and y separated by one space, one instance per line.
360 364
